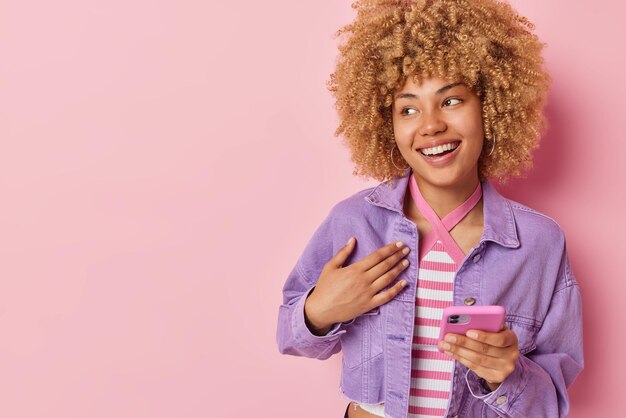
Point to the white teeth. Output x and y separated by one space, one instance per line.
439 149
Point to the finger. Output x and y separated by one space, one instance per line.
503 339
477 358
385 296
456 340
387 264
342 255
379 255
386 279
487 373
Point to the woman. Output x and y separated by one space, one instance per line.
434 97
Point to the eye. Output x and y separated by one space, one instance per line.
452 101
406 111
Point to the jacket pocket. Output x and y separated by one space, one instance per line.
526 331
363 339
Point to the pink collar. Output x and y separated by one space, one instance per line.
440 227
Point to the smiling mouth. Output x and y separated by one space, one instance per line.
440 150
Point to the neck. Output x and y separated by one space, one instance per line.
444 200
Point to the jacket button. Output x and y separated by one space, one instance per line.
476 258
469 301
501 400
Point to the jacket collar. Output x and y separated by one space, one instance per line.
499 219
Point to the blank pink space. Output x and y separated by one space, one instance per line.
163 165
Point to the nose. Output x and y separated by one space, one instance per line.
431 123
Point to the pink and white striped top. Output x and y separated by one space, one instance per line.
440 257
431 370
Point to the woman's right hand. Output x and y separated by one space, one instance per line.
343 293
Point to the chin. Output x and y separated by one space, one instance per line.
445 179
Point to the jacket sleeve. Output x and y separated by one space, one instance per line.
538 385
293 336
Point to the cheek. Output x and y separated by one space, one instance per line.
477 136
478 122
477 130
473 128
402 130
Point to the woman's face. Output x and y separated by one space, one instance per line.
438 127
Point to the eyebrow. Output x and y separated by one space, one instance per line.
415 96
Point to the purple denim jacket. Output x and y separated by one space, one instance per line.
520 263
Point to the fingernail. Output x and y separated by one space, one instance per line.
399 244
445 346
405 263
351 240
403 283
448 353
472 334
406 250
450 339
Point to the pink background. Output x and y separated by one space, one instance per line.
163 164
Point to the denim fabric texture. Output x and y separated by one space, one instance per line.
520 263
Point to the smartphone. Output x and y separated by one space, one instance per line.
460 319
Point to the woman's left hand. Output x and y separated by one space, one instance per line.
491 355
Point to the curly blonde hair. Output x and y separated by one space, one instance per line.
483 43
